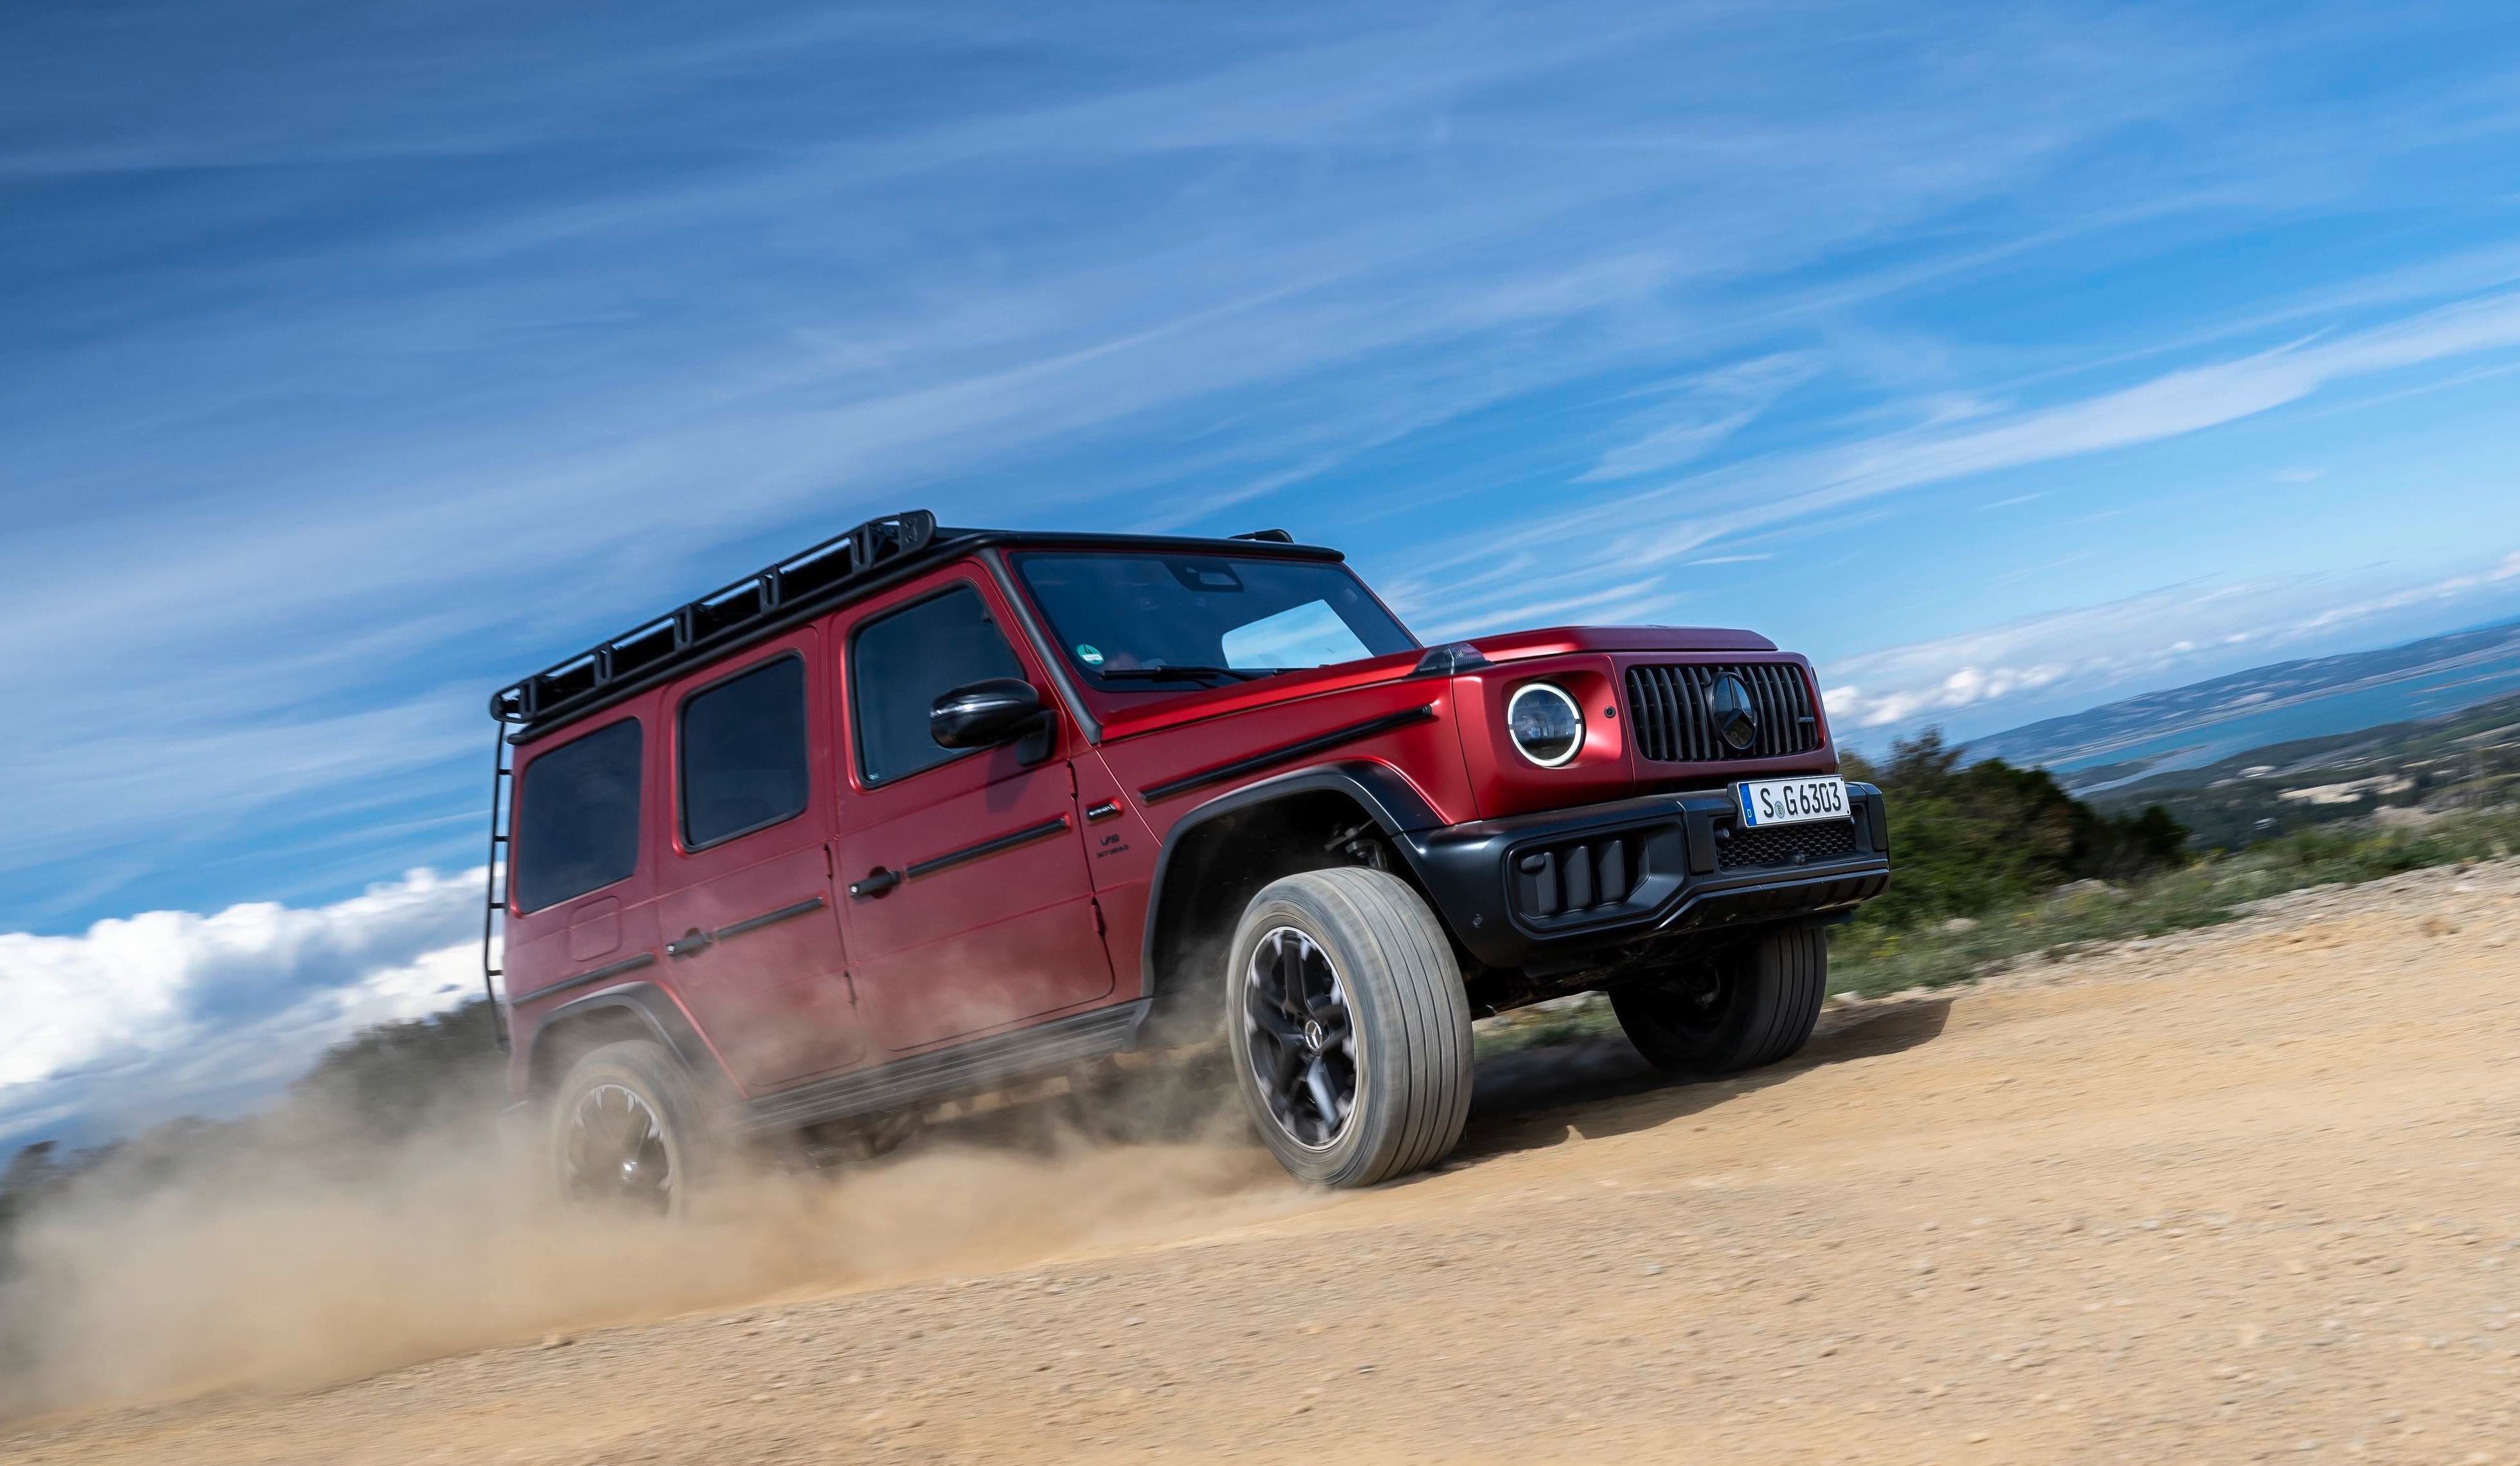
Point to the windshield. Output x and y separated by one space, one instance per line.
1167 622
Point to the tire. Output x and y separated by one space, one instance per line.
1385 1012
667 1145
1742 1008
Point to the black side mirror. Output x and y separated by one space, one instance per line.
984 714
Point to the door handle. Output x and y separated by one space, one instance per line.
877 882
690 943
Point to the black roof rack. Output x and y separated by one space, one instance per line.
806 584
680 634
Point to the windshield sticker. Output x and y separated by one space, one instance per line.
1089 653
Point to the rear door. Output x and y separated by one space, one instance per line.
963 874
752 941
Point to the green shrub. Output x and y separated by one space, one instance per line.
1965 841
1869 957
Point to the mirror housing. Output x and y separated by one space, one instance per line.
986 713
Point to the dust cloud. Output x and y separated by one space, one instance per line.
280 1268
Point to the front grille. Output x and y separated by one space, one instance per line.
1786 845
1671 712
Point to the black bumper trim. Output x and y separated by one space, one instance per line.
1468 869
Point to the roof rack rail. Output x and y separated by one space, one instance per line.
1271 536
695 626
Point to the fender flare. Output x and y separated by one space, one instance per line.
662 1017
1386 797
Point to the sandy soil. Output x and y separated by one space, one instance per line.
2241 1194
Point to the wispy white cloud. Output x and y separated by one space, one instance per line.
2175 633
1708 409
1624 533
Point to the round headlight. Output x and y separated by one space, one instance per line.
1545 724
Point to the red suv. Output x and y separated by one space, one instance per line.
923 811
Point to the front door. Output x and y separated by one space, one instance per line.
962 872
752 941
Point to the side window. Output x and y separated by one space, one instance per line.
578 818
744 753
900 663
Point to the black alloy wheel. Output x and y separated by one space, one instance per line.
614 1153
1302 1039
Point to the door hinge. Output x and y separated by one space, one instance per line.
1099 929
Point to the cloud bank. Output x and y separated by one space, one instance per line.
141 1018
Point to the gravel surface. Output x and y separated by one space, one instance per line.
2240 1194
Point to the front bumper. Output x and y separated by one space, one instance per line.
1570 889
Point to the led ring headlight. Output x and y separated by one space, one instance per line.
1546 724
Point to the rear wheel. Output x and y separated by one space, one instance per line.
1349 1027
1750 1005
630 1132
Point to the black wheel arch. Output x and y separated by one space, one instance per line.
633 1010
1219 855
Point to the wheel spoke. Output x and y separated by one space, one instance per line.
1278 1025
1288 1058
1290 983
1317 1079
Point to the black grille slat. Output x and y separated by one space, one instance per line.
1753 679
1695 725
1786 845
1654 721
1671 708
1773 732
1773 736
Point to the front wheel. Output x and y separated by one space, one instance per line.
1738 1009
1349 1027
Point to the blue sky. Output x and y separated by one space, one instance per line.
2003 360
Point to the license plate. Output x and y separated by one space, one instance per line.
1791 801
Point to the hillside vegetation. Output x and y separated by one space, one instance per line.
1964 840
1993 864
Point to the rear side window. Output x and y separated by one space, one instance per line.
744 753
901 662
578 818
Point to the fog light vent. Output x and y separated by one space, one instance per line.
1558 880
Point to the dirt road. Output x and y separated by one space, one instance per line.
2245 1193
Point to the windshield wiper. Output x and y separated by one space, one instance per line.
1180 674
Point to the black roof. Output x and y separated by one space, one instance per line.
846 568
